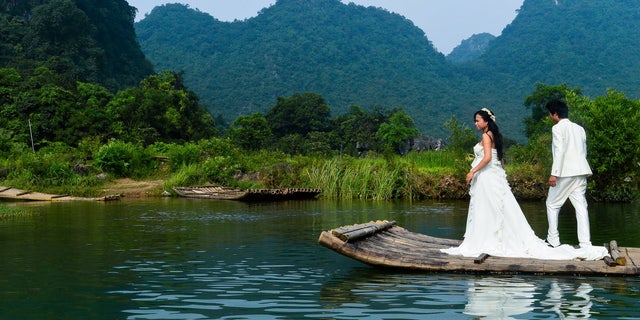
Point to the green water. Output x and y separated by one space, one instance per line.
203 259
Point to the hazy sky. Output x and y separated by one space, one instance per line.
445 22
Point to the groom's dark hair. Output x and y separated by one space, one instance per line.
559 107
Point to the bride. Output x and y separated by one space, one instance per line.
495 223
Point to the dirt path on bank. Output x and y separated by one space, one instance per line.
135 189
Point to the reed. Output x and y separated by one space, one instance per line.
349 178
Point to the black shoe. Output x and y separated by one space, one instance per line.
550 245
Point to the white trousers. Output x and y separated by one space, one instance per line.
574 189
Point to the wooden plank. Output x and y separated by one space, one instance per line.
481 258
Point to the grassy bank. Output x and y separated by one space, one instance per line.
97 170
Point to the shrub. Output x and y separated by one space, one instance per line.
122 159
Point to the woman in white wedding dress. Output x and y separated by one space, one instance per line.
495 223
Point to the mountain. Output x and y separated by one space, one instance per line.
82 40
590 44
366 56
471 48
351 55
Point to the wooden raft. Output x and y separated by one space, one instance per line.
384 244
10 193
225 193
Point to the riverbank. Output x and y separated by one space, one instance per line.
129 188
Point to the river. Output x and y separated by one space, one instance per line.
174 258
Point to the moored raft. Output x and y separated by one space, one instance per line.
384 244
225 193
9 193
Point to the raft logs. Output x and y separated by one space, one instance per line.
616 259
358 231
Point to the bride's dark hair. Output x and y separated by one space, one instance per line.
490 118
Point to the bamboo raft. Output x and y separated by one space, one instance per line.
10 193
384 244
224 193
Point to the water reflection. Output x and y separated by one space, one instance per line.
498 298
568 301
179 259
507 298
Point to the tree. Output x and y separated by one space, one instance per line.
612 123
62 35
299 114
461 138
543 93
251 132
397 133
160 109
356 129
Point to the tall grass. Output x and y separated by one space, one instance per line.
349 178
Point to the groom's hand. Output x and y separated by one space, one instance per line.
552 181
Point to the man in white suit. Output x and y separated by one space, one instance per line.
569 172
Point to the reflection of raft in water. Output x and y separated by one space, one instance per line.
224 193
383 244
10 193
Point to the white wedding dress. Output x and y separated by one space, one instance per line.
497 226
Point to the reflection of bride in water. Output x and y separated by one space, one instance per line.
506 298
498 298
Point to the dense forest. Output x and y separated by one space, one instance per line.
79 40
366 56
73 115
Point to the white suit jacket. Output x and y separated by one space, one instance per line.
569 148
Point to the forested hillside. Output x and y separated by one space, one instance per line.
80 40
71 71
589 44
352 55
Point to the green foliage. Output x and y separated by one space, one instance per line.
160 109
251 132
395 134
55 167
61 36
356 130
366 56
347 53
462 138
535 124
350 178
299 115
613 137
81 40
122 159
291 144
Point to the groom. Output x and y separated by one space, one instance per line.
569 173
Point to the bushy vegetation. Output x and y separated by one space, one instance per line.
82 40
63 129
368 56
